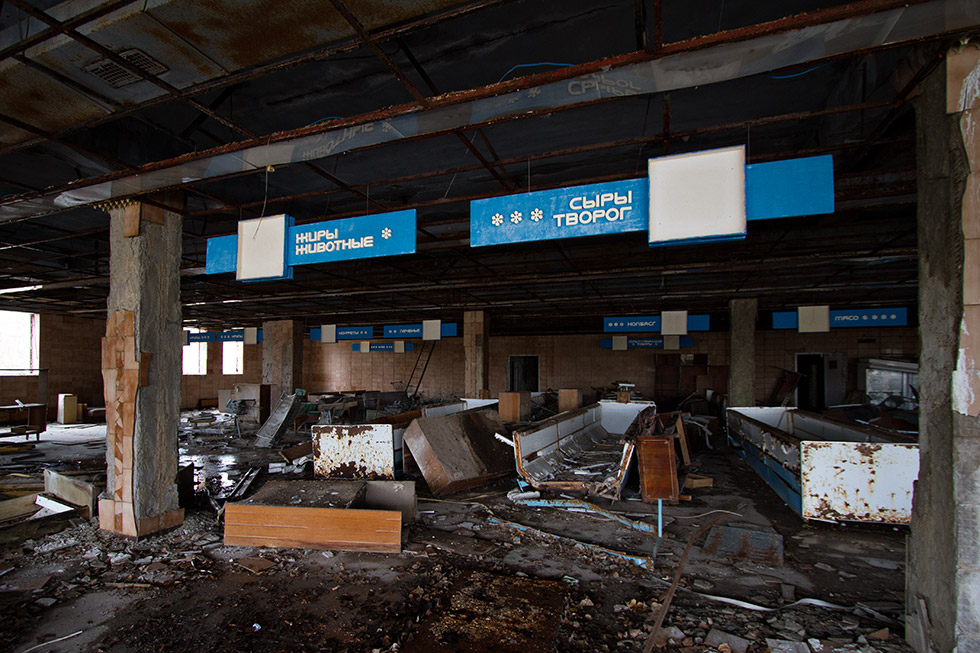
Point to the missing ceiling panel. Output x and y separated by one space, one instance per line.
117 76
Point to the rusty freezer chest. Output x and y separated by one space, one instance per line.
827 470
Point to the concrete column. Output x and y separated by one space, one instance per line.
282 356
943 579
741 333
476 351
141 368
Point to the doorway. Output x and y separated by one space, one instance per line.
823 381
522 373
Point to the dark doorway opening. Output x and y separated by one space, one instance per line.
522 373
823 382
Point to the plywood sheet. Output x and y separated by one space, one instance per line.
313 528
658 468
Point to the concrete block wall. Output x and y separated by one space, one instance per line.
333 367
71 350
196 387
579 362
778 349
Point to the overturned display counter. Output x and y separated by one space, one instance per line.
827 470
580 450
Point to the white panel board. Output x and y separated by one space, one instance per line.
251 335
365 346
813 319
673 323
858 481
616 417
697 196
431 329
672 342
262 248
619 343
399 346
328 333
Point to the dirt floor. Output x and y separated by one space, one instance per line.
476 573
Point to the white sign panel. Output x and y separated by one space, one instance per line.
697 196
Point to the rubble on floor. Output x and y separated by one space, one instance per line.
558 572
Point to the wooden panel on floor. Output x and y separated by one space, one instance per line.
658 468
313 528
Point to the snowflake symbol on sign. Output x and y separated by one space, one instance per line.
537 214
497 219
386 233
516 217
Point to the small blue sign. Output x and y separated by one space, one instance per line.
382 346
449 330
651 323
869 317
221 336
592 210
646 343
346 333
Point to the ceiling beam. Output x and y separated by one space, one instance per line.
702 61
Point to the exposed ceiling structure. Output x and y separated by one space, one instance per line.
337 109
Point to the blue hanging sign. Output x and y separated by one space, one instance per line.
646 343
449 330
782 189
382 346
776 189
220 336
367 236
592 210
651 323
346 333
868 317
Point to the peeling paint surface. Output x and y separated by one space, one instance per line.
966 377
364 451
863 482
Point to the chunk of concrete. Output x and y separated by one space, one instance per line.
717 637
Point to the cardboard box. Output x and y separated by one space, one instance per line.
514 406
67 409
569 399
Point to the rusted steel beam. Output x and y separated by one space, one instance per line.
372 43
625 142
27 127
305 138
255 72
502 176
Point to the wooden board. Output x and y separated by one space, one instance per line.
20 507
682 438
658 468
75 491
313 528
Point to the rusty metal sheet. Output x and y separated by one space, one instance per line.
354 451
772 441
858 481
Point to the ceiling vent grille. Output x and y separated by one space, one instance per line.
116 76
